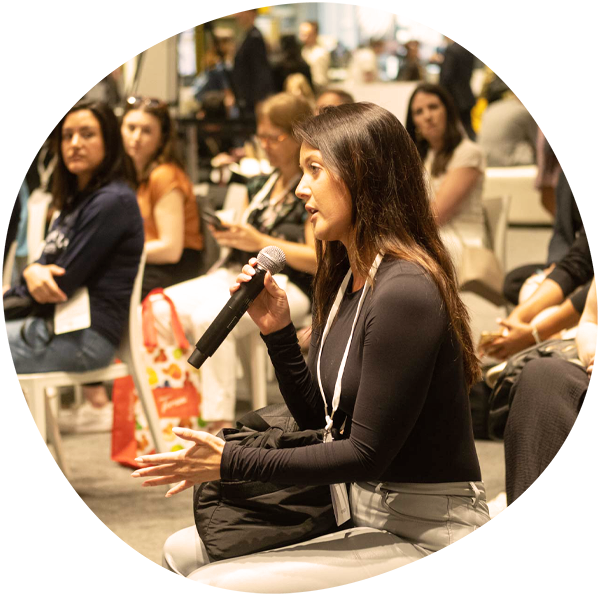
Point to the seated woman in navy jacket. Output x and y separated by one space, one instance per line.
92 249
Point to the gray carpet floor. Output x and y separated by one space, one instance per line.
107 531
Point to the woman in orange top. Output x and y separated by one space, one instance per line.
173 239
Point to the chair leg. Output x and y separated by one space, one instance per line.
34 394
39 456
258 372
55 438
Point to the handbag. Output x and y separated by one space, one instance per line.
236 518
501 396
175 388
505 79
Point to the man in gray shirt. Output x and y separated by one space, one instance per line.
508 133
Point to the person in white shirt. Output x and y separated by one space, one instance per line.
314 54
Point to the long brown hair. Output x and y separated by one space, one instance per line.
366 148
453 134
115 165
167 148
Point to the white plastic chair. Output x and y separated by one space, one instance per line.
496 211
37 213
34 385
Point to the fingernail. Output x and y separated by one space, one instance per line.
135 475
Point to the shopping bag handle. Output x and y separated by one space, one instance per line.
148 327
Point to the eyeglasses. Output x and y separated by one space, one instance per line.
147 102
271 139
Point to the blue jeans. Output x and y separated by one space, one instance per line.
34 351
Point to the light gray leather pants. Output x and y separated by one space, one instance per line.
409 538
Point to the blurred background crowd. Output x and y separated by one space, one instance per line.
221 100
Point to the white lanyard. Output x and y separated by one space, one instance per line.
335 402
265 190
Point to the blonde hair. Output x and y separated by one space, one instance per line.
285 110
297 84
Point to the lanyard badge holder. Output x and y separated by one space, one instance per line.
339 494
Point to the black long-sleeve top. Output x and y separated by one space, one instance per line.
403 393
575 270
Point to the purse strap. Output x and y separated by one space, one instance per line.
149 329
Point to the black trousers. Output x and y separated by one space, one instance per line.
514 280
163 276
550 443
465 118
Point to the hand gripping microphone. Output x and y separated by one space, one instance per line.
270 258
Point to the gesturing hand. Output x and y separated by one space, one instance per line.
198 463
270 310
41 284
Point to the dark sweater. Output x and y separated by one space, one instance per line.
574 272
98 242
403 392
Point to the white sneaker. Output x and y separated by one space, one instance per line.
86 419
497 505
9 401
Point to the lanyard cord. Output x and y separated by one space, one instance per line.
332 314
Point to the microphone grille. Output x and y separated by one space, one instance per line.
271 258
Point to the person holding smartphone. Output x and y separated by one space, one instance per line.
274 215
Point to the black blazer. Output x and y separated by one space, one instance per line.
252 76
455 76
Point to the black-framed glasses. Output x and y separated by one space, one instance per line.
146 102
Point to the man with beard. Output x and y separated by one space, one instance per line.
553 148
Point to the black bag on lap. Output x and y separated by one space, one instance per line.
236 518
502 394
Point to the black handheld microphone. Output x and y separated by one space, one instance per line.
270 258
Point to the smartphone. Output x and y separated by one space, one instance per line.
487 337
213 219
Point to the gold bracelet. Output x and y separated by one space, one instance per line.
536 335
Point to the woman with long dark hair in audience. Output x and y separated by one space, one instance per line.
388 373
93 249
273 215
455 164
171 221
